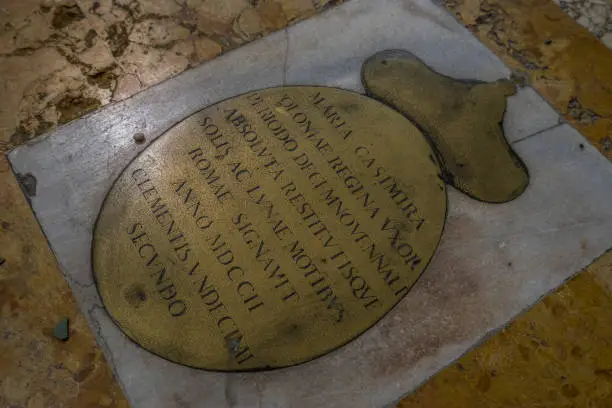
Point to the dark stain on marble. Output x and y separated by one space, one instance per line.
71 107
118 38
65 15
105 78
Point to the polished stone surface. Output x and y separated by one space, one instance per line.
37 370
554 355
494 260
60 59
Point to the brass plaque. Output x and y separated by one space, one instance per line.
268 229
463 118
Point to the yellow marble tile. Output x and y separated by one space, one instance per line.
36 369
557 354
565 63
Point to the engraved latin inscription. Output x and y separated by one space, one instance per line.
270 228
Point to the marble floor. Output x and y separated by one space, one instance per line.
61 60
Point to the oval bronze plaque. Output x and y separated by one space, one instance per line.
268 229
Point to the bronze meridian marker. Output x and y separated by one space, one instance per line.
268 229
463 119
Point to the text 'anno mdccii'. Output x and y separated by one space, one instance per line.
269 229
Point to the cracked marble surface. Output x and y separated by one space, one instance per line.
53 68
60 59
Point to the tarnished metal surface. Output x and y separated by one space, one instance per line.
462 118
269 229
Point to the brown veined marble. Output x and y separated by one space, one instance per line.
36 369
154 40
557 354
594 15
565 63
462 119
61 59
53 66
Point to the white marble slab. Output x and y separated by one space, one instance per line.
493 262
527 113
